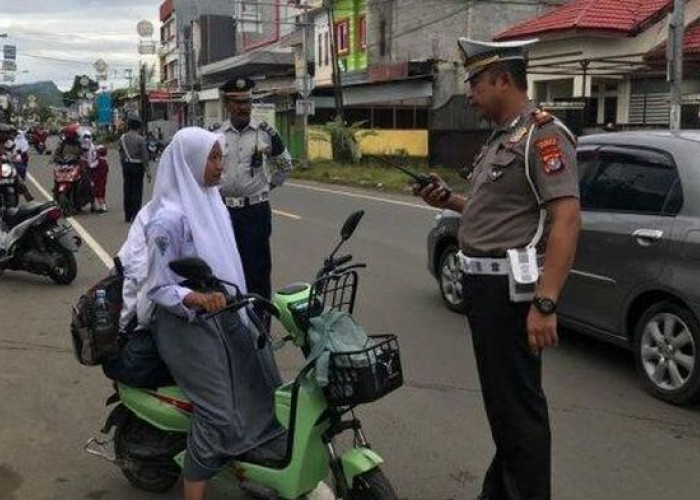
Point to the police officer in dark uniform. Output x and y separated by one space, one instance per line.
520 214
135 158
255 162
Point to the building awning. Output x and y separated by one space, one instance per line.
380 93
156 96
259 62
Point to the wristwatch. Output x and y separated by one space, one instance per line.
544 305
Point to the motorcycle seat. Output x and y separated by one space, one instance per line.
15 215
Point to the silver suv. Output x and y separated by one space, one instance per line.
636 279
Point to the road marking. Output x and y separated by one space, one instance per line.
363 196
286 214
87 238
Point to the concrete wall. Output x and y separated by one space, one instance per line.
424 29
382 142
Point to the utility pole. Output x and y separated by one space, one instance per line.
337 84
307 85
675 41
144 99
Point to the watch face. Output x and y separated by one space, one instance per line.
545 306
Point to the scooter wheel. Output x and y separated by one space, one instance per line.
372 485
146 454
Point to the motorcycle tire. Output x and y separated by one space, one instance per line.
67 270
64 203
134 440
372 485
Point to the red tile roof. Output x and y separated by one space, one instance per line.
618 16
691 43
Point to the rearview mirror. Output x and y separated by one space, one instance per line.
351 224
191 268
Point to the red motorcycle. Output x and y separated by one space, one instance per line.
37 138
72 189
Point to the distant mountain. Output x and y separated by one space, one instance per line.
46 92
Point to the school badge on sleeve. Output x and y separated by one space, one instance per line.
551 155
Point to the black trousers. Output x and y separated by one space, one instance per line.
133 189
511 383
252 226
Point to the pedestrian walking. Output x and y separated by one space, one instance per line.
521 211
256 161
99 179
134 155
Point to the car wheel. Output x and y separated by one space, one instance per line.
667 353
450 279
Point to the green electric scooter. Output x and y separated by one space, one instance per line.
150 426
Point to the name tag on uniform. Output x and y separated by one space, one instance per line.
523 275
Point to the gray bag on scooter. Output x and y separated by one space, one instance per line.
334 332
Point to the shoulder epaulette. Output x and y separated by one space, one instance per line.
542 117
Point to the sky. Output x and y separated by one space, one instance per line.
77 32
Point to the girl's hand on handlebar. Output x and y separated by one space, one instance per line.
209 302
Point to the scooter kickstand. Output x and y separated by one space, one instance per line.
98 448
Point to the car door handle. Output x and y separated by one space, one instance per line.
647 237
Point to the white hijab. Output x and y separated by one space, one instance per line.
180 187
21 142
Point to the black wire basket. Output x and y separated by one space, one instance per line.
364 376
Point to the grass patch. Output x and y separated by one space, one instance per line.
374 174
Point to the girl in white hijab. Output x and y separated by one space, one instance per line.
229 381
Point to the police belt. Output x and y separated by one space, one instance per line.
483 265
246 201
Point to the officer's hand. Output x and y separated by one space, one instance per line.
209 302
268 129
541 330
434 194
278 179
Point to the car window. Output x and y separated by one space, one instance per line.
587 164
627 180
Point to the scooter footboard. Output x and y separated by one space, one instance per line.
358 461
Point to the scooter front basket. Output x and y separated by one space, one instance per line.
364 376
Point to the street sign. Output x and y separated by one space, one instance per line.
144 29
9 52
147 48
305 86
264 112
9 65
305 107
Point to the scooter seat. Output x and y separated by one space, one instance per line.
271 454
15 215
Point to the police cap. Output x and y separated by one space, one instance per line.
478 55
238 89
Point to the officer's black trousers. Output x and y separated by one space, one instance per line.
511 382
252 226
133 189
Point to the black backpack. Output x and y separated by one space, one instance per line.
93 346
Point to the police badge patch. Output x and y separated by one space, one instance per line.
162 242
551 155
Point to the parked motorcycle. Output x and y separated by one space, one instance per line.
33 240
72 189
9 183
150 426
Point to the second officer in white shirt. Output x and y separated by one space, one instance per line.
255 162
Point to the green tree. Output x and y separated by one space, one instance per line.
73 94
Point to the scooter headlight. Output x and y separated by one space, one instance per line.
6 170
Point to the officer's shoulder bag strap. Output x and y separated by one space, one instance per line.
528 145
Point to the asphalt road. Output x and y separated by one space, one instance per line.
611 440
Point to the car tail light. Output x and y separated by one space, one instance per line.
54 214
